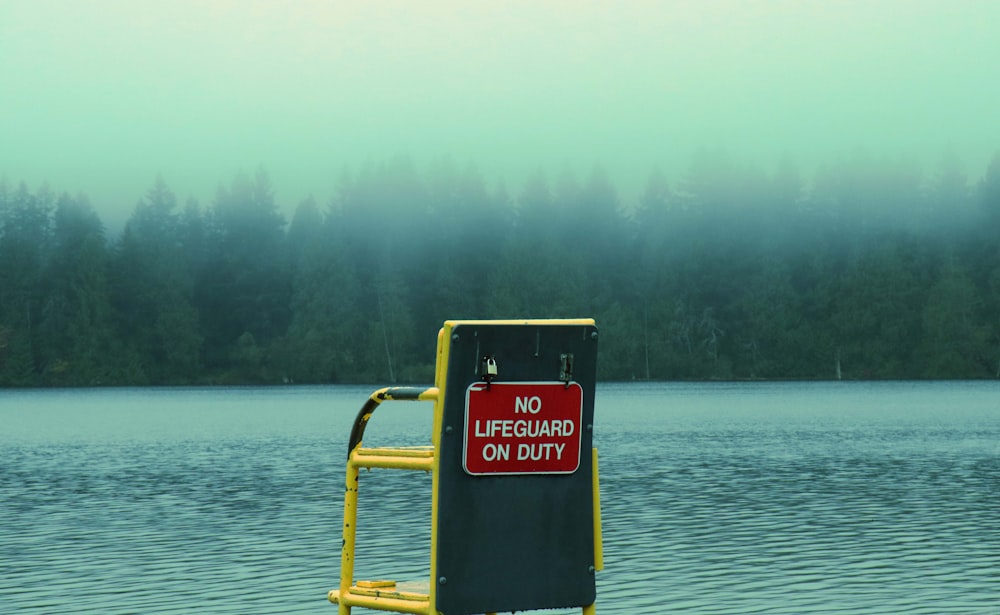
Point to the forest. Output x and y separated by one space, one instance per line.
871 269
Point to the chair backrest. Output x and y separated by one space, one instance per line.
514 511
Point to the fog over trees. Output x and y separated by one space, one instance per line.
872 270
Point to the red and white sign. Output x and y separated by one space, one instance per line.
523 428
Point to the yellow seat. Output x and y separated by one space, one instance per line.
383 595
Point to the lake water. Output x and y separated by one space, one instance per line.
717 498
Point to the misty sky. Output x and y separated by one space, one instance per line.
100 96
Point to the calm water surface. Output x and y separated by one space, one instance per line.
720 498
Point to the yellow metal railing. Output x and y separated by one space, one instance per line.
381 595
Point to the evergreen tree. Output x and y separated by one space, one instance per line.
322 343
245 285
76 342
650 275
24 239
955 341
153 292
878 312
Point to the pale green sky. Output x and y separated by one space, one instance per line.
101 95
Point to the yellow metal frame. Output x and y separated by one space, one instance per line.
384 595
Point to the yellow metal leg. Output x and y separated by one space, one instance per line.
350 532
598 536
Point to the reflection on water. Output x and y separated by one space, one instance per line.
788 498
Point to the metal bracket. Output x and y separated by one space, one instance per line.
566 368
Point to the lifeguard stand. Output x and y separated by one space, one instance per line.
515 508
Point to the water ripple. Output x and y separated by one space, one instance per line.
765 510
